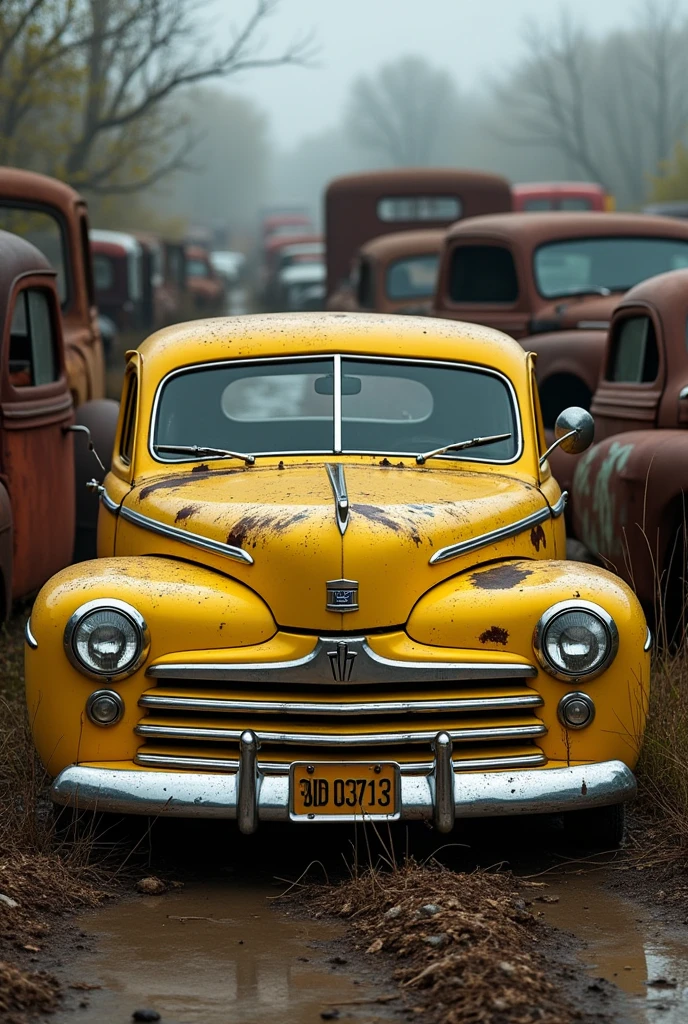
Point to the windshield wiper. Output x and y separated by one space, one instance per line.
475 442
195 449
580 293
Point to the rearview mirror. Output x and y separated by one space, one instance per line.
574 431
325 385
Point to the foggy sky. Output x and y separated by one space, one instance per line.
475 39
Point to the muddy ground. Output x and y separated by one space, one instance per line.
237 942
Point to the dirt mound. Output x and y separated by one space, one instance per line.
464 946
24 992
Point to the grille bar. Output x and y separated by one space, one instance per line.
156 760
339 708
466 734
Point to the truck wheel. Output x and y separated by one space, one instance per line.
599 828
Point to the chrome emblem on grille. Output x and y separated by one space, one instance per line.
342 662
342 596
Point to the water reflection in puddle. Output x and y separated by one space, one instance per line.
214 954
623 944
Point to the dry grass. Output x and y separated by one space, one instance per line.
465 946
40 876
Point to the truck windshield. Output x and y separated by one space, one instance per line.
413 277
571 267
43 229
336 404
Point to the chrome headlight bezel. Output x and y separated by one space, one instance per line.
559 609
107 604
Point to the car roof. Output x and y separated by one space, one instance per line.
127 242
18 258
525 188
296 334
533 229
405 243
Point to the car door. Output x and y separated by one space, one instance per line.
37 451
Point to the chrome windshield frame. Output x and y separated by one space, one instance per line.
338 358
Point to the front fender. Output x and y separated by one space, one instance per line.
496 608
628 492
186 607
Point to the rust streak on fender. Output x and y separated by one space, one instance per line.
538 537
501 577
494 635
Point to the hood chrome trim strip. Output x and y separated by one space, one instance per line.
185 536
503 533
335 472
370 667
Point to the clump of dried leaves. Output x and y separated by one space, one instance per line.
465 945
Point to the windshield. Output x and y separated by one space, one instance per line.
387 408
566 268
44 230
197 268
413 277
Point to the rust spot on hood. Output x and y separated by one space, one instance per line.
202 467
537 537
172 483
185 512
378 515
251 527
500 577
494 635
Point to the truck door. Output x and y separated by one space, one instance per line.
37 455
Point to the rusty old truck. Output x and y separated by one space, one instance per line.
54 218
629 490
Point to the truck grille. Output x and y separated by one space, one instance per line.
493 724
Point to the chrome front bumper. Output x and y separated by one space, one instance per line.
249 796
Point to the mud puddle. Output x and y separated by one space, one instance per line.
216 953
624 944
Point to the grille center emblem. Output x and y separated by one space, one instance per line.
342 662
342 596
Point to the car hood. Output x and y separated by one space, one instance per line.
276 529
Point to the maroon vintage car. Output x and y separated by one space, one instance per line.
205 286
397 273
54 218
629 490
359 207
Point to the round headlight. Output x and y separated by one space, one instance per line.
576 639
106 638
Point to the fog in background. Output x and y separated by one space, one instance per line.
172 114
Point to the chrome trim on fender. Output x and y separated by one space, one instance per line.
360 739
107 501
503 533
368 667
185 536
476 794
28 635
374 707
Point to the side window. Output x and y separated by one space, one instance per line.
634 355
537 205
126 443
366 287
483 273
33 345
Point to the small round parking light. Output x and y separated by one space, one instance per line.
104 707
576 710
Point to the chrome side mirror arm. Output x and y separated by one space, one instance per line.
564 437
79 428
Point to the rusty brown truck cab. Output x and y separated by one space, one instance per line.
54 218
552 281
36 450
397 273
360 207
629 491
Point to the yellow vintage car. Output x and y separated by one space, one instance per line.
332 584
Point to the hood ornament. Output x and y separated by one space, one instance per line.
342 662
335 472
342 596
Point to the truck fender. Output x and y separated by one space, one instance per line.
630 491
100 416
6 553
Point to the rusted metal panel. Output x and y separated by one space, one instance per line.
351 207
36 458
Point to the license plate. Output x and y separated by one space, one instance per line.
344 790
